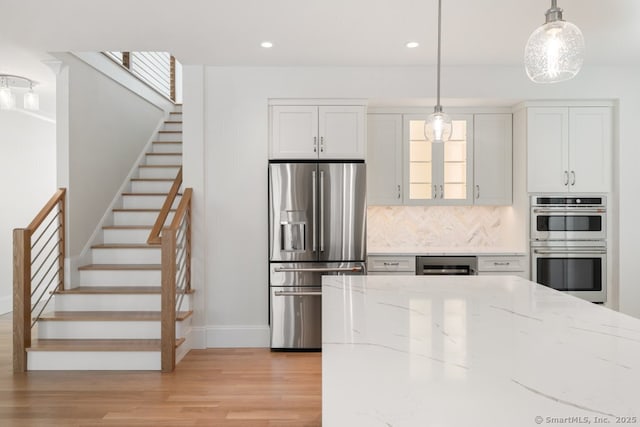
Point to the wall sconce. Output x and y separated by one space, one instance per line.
31 100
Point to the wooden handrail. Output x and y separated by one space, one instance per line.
182 209
154 235
169 245
22 269
46 210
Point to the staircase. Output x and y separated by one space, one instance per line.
111 319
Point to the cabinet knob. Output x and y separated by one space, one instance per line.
566 178
399 193
477 191
573 178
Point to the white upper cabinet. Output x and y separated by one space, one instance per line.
317 132
569 149
590 145
384 159
492 159
438 173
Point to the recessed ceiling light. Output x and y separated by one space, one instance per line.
266 44
412 45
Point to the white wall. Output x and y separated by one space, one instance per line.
234 179
28 177
102 128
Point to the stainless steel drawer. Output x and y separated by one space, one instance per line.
296 318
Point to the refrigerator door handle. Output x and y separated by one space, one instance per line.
314 219
297 294
318 270
321 211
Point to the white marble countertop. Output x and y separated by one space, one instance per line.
455 250
473 351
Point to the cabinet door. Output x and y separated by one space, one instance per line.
590 149
438 173
547 149
492 159
294 132
384 159
341 132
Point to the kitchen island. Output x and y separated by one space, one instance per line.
473 351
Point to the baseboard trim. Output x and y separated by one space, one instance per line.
237 336
6 304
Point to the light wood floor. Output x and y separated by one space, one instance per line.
215 387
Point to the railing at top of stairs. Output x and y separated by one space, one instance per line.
38 271
175 242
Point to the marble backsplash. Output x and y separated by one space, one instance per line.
440 226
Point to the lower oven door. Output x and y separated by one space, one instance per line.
579 271
296 314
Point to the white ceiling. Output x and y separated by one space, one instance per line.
304 32
318 32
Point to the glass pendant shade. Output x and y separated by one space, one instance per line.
554 52
438 127
7 100
31 101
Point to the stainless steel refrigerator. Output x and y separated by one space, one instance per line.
317 226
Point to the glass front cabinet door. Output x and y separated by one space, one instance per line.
438 173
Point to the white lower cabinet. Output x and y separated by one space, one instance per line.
391 264
515 265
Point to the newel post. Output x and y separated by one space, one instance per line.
168 301
21 298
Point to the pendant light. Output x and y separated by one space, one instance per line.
437 128
555 50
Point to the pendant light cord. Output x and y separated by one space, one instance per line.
438 107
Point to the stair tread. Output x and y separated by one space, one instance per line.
92 290
140 316
94 345
124 246
128 267
111 290
167 142
173 121
152 179
169 131
159 166
164 154
147 194
139 210
127 227
97 345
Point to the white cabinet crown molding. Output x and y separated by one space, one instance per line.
317 101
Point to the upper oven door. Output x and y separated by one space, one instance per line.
555 223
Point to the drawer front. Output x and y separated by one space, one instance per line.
392 264
501 264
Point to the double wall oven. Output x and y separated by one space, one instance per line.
569 246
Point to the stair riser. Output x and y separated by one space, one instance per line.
137 218
176 108
172 126
126 256
166 173
171 136
120 277
113 302
164 160
144 202
93 360
167 148
126 236
82 330
107 302
151 186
